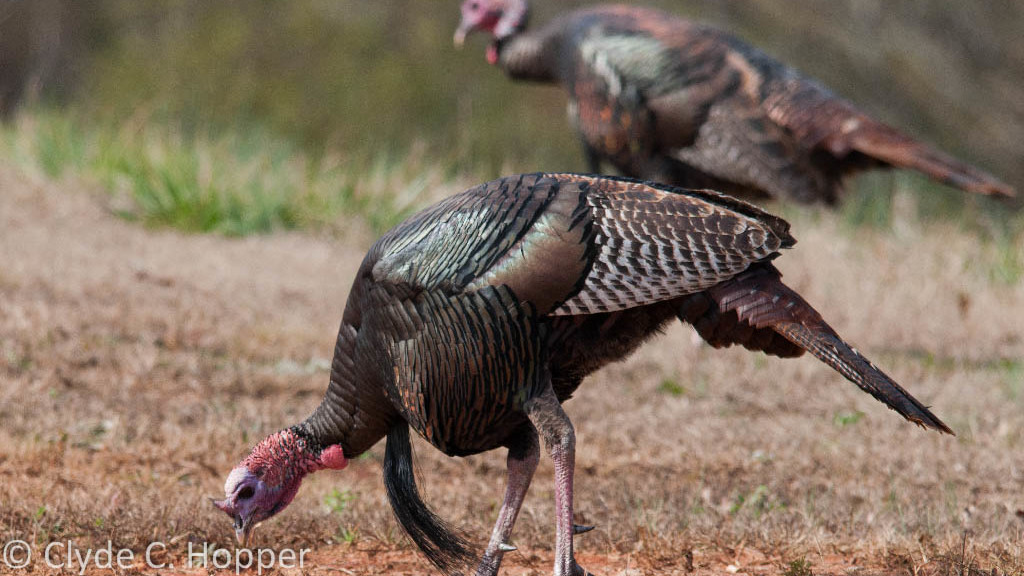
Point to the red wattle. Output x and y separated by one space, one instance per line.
333 457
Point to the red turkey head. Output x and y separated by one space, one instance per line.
266 481
502 18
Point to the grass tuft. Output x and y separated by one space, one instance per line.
870 202
337 500
757 502
844 418
672 387
239 182
800 567
1007 266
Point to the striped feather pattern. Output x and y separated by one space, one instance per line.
654 245
463 365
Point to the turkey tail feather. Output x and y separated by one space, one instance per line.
820 119
443 546
761 300
892 147
828 347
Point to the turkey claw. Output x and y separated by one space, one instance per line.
578 529
578 570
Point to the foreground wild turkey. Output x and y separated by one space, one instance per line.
665 99
472 321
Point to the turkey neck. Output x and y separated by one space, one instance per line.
353 413
528 56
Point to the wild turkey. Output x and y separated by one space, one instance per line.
665 99
472 321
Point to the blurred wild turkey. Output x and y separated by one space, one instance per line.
665 99
472 321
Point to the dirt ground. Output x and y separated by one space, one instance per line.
138 366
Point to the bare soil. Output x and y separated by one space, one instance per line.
138 366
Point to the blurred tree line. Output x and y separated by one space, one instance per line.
365 76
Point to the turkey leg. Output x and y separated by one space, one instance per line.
523 456
555 428
593 159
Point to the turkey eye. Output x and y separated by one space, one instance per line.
246 493
474 6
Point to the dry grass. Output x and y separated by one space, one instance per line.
138 366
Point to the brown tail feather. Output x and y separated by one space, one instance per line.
895 148
760 299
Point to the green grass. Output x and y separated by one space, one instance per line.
844 418
337 500
800 567
671 386
355 76
1007 265
869 201
238 182
883 200
757 502
348 535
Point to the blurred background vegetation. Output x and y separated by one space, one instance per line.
247 116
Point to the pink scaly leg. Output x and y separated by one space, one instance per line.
522 462
554 426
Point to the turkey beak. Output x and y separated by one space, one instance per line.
243 526
243 531
460 34
222 505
